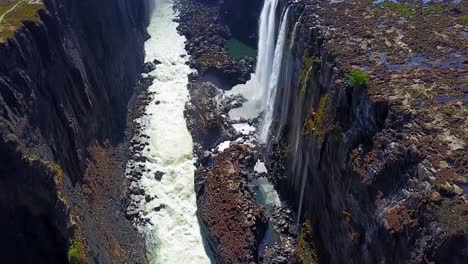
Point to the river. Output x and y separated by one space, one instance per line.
173 234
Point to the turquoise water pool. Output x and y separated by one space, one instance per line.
239 49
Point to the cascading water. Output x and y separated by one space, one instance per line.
266 48
261 90
173 234
284 95
274 79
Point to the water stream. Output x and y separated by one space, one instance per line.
173 234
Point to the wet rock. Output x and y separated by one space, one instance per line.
148 67
159 175
159 208
148 198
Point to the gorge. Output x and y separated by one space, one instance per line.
146 131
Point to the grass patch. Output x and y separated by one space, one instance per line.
316 122
452 215
304 248
24 11
432 10
407 10
449 111
357 78
76 252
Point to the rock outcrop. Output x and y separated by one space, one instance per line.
233 221
65 83
207 43
369 129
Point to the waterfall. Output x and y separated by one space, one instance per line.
268 73
266 48
286 82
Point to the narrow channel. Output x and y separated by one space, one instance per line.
173 233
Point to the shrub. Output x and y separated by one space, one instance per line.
445 189
304 248
76 252
357 78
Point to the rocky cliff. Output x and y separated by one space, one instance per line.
65 83
368 130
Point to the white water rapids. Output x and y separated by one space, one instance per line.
173 234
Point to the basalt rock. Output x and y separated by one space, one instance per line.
233 222
372 164
207 43
64 88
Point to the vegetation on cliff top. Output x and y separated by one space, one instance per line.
14 12
357 78
401 9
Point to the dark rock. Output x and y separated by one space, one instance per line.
159 207
158 175
148 198
148 67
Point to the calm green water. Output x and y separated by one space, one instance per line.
239 49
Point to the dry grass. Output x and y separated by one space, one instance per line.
24 11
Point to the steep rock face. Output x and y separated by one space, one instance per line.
64 87
207 42
353 161
242 18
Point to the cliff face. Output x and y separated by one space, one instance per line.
359 160
242 19
64 88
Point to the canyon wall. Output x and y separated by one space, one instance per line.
346 161
64 88
242 19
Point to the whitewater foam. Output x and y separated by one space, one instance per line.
173 234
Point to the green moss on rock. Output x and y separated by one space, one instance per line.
316 122
304 249
307 64
407 10
76 252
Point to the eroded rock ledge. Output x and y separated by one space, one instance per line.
65 82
